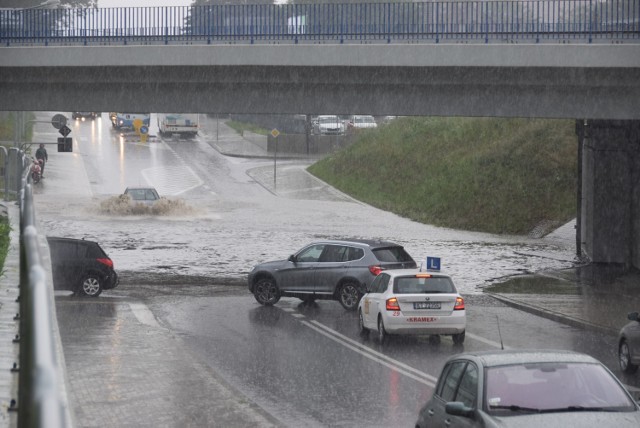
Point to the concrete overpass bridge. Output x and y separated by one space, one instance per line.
452 63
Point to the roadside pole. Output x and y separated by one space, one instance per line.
275 133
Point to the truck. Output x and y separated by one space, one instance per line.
126 120
177 123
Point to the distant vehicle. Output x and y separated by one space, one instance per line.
81 266
528 388
84 115
412 302
183 124
328 125
142 195
126 120
358 122
327 270
629 344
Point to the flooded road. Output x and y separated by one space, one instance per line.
181 341
237 215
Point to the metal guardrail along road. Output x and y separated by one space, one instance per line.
510 21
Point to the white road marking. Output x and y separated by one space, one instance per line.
172 180
144 315
378 357
483 340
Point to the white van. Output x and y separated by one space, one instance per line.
176 123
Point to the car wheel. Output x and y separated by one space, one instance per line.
266 291
364 331
382 333
90 286
349 295
624 358
458 339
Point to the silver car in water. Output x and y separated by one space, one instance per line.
327 270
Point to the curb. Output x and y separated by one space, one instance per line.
552 315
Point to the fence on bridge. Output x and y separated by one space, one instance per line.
429 21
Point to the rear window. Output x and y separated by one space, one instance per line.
413 285
95 252
392 254
63 250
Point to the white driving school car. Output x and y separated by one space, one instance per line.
412 302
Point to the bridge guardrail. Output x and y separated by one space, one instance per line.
42 398
530 21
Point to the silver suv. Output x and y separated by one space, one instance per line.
327 270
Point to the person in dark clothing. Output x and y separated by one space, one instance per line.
41 154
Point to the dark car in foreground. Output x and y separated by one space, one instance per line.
629 344
528 388
81 266
327 270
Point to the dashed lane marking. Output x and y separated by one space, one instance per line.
144 315
378 357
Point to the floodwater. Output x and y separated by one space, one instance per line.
222 215
122 205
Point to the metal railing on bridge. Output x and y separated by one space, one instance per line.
513 21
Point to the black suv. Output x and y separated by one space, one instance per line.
333 270
81 266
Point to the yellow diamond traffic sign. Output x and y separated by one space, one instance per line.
275 133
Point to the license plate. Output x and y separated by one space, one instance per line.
426 305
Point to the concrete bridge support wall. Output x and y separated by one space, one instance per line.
610 192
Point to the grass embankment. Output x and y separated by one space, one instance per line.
7 133
504 176
5 228
241 127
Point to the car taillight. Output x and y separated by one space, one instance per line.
375 269
459 304
392 304
106 262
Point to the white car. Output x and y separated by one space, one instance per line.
362 122
142 195
412 302
328 125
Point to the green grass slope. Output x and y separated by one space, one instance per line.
503 176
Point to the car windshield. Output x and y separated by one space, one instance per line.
418 285
552 387
142 194
330 120
364 119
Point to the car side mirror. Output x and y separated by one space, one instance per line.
633 316
292 258
457 408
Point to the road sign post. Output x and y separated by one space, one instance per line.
64 130
274 134
65 144
144 133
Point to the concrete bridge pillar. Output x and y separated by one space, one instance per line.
609 217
